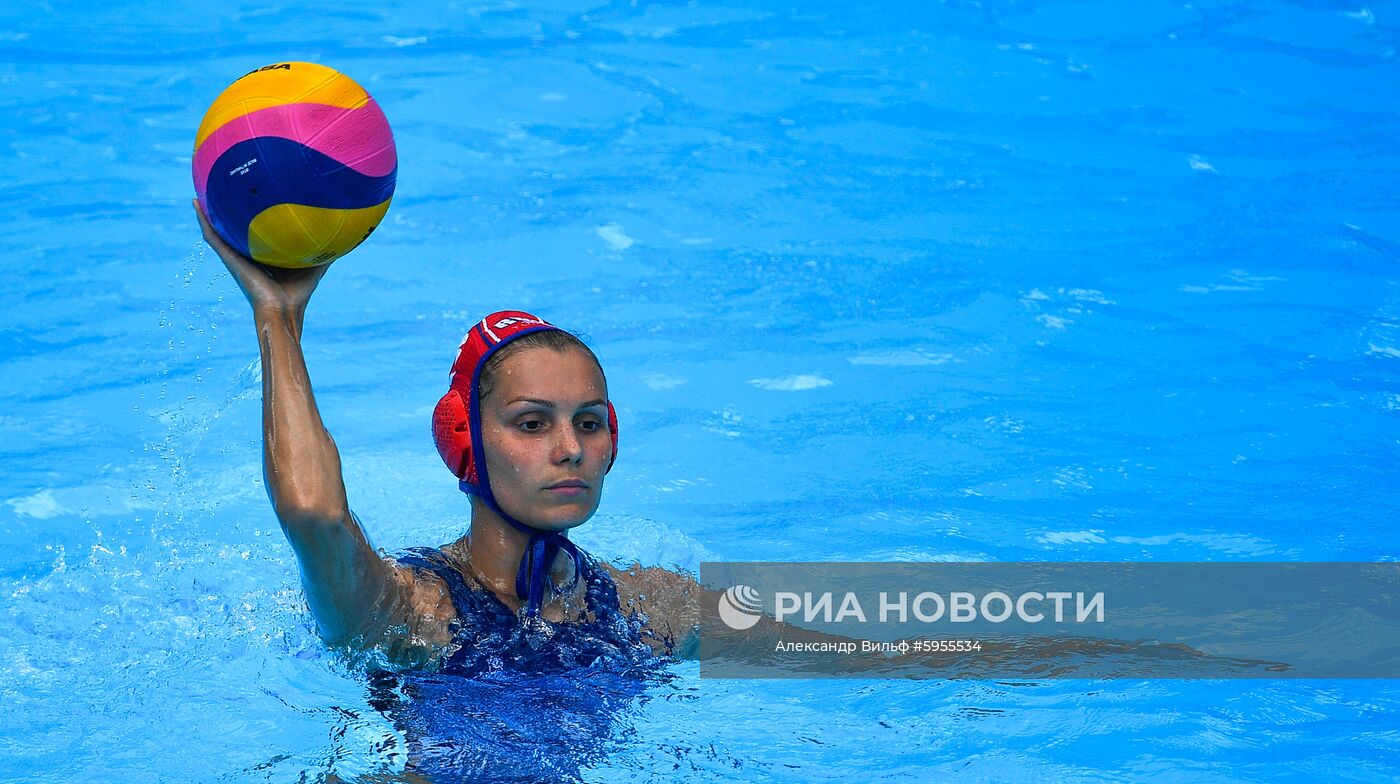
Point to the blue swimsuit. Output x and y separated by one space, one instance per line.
488 637
517 701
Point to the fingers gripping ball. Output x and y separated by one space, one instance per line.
294 165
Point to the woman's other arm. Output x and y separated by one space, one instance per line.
670 602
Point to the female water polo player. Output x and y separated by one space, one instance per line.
529 431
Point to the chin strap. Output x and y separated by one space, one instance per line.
534 569
539 555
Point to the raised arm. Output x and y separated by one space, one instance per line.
355 595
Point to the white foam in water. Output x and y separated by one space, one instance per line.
904 358
1214 287
1234 544
797 383
1384 351
1089 295
1072 537
1382 332
97 500
662 381
614 235
40 505
1239 281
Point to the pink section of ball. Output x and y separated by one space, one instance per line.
359 138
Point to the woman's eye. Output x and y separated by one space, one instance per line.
590 425
531 425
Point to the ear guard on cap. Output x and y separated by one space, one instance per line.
612 430
452 433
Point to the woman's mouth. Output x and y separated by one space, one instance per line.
568 487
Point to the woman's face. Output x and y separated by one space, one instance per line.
545 433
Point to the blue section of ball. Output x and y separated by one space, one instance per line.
256 174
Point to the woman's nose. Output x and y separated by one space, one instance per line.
568 448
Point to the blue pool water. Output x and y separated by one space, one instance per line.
1002 280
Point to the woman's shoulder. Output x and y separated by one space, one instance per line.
414 616
439 583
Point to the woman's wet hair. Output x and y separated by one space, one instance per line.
553 339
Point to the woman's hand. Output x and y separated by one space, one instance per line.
268 289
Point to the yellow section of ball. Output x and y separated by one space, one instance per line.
279 84
297 236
